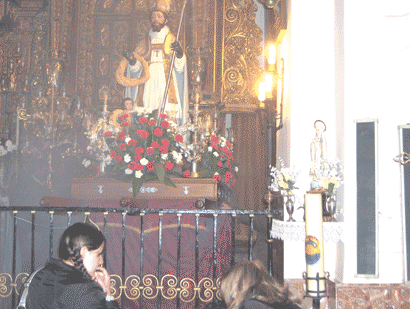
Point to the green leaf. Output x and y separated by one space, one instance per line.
160 171
168 181
136 186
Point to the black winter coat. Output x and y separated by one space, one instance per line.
257 304
62 286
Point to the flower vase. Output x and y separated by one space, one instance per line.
289 201
330 209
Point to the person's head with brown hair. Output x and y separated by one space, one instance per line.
251 280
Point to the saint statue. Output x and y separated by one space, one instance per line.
318 151
147 68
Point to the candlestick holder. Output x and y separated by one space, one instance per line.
318 293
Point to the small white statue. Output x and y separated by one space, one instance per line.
318 153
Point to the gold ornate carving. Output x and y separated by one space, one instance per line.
241 69
7 284
105 35
107 4
86 25
186 290
132 290
125 6
103 65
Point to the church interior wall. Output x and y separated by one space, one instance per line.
347 61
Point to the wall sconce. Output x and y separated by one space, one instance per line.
270 4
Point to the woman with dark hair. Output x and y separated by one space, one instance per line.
75 280
248 285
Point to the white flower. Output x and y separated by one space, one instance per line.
236 169
177 156
210 148
128 171
127 158
216 154
223 144
138 174
8 143
86 162
107 160
164 156
144 161
216 173
127 139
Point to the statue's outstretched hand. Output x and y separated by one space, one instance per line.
178 49
129 56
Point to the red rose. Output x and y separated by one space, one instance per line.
117 159
139 167
187 173
165 142
132 142
155 144
144 134
179 138
214 139
151 166
107 134
151 123
121 135
226 180
143 120
214 146
113 154
220 164
122 146
132 165
164 116
139 150
158 132
217 177
165 124
150 150
137 158
228 143
169 166
229 164
163 149
228 175
123 116
124 123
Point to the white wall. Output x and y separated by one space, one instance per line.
347 60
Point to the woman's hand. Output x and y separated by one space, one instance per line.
103 278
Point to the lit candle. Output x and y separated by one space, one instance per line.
271 53
314 244
261 95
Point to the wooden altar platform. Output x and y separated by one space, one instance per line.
111 188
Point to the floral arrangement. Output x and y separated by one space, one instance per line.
141 150
330 177
217 161
8 147
329 184
283 179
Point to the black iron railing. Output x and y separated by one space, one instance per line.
155 242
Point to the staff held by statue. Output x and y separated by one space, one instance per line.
157 66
